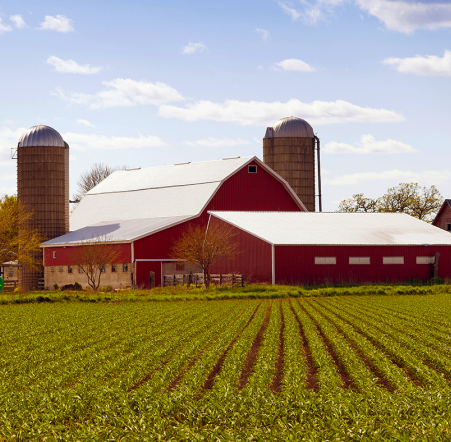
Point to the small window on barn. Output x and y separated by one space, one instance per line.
80 270
61 268
448 227
52 269
54 254
180 267
252 169
11 272
125 267
70 269
359 260
393 260
113 268
102 269
425 259
325 260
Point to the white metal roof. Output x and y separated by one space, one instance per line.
117 231
168 191
309 228
41 135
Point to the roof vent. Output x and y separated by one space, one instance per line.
231 158
181 164
136 168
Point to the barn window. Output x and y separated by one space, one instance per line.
69 269
80 270
393 260
448 227
252 169
359 260
425 259
54 254
113 268
125 267
11 272
180 267
325 260
52 269
61 268
102 269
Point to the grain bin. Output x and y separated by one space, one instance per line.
43 187
289 149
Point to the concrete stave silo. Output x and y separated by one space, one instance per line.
43 187
289 149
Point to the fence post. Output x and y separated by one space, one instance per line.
220 279
242 280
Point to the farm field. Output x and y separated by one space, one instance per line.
336 368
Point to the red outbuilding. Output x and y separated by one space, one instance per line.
318 248
443 217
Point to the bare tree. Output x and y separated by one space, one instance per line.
92 177
19 241
204 246
93 256
419 202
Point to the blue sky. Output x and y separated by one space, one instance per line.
149 83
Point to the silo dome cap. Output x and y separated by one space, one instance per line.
41 135
290 127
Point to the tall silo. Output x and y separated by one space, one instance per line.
289 149
43 187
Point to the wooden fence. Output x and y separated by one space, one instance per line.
9 286
197 279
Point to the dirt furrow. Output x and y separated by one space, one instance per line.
344 375
253 352
311 377
276 384
209 382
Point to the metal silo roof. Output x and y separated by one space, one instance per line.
290 127
41 135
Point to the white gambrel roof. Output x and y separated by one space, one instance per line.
159 192
117 231
309 228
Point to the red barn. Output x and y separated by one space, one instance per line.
443 217
317 248
145 210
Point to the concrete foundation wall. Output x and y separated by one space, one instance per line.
60 275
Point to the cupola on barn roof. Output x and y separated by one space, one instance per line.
290 127
41 135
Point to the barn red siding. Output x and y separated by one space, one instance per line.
259 191
63 255
296 264
252 258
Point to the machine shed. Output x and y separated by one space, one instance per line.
318 248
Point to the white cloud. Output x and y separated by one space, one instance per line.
192 48
258 113
404 16
425 177
60 23
12 190
124 92
293 13
218 142
407 16
85 123
265 34
418 65
293 64
72 158
369 145
4 28
8 177
18 21
71 67
87 141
